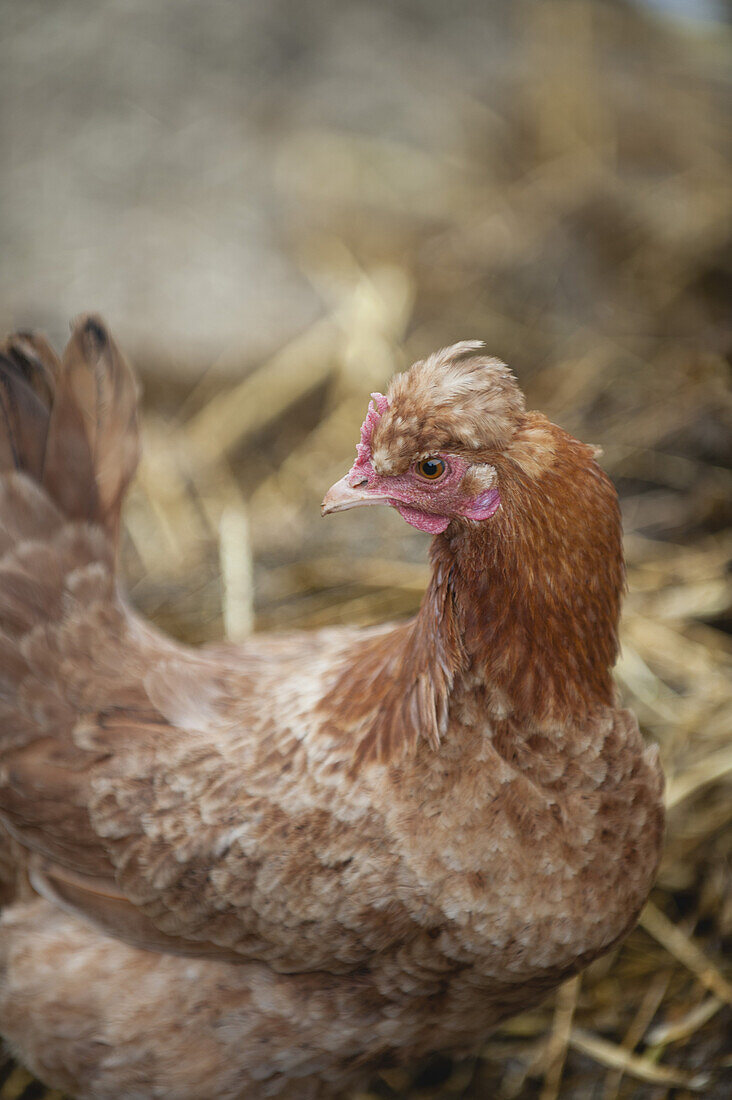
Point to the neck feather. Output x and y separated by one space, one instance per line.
538 591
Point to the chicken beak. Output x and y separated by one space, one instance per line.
342 496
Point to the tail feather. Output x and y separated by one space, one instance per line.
68 450
28 371
71 425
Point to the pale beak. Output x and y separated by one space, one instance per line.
342 496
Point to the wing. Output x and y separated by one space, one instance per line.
184 802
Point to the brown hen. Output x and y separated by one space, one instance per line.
263 871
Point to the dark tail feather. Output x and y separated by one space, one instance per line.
71 425
28 372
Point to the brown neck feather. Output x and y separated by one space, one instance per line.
538 589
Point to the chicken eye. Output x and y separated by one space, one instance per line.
431 468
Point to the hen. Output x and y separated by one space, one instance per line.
263 871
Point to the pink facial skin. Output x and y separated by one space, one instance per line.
427 505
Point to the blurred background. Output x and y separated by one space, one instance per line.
276 205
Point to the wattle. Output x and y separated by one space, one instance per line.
424 521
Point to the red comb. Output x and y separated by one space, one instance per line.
377 407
